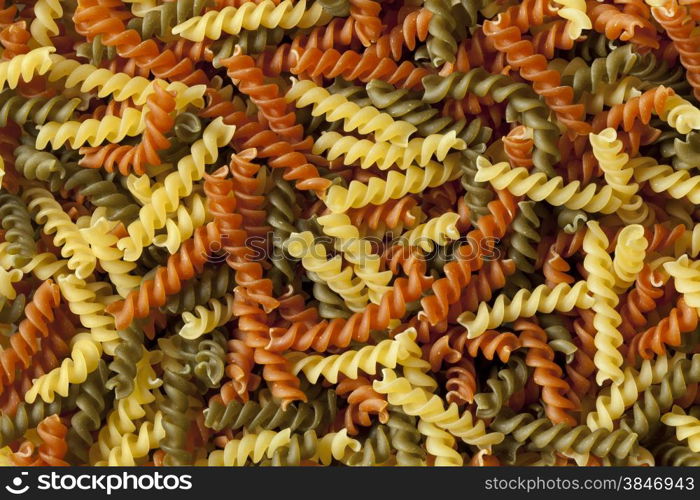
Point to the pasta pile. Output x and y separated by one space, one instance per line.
345 232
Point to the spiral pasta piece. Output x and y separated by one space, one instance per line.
378 191
526 303
438 230
618 172
359 253
537 187
46 211
601 281
672 17
340 280
249 16
630 251
25 67
418 402
575 14
165 198
44 25
84 359
365 120
664 179
387 353
205 319
418 151
687 427
612 402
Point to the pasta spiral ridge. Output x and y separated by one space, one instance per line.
537 187
267 14
298 417
526 303
542 433
417 402
37 110
378 191
601 281
520 98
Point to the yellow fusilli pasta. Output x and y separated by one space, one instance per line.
251 16
526 303
537 187
419 150
378 191
601 281
364 119
314 258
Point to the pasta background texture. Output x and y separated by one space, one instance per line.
349 232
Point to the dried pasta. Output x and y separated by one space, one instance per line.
349 233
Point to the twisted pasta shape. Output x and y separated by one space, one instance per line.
664 179
32 329
547 374
359 253
397 185
676 456
407 105
526 303
574 11
537 187
84 359
365 120
615 399
44 24
38 110
168 279
439 230
205 319
166 197
313 258
533 67
91 404
672 18
25 66
681 114
521 99
541 433
504 384
158 121
618 172
93 19
28 417
607 19
405 438
85 301
299 417
250 16
120 86
630 251
47 212
136 445
525 237
383 154
601 281
440 444
429 407
110 128
687 427
122 420
388 353
19 233
681 319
